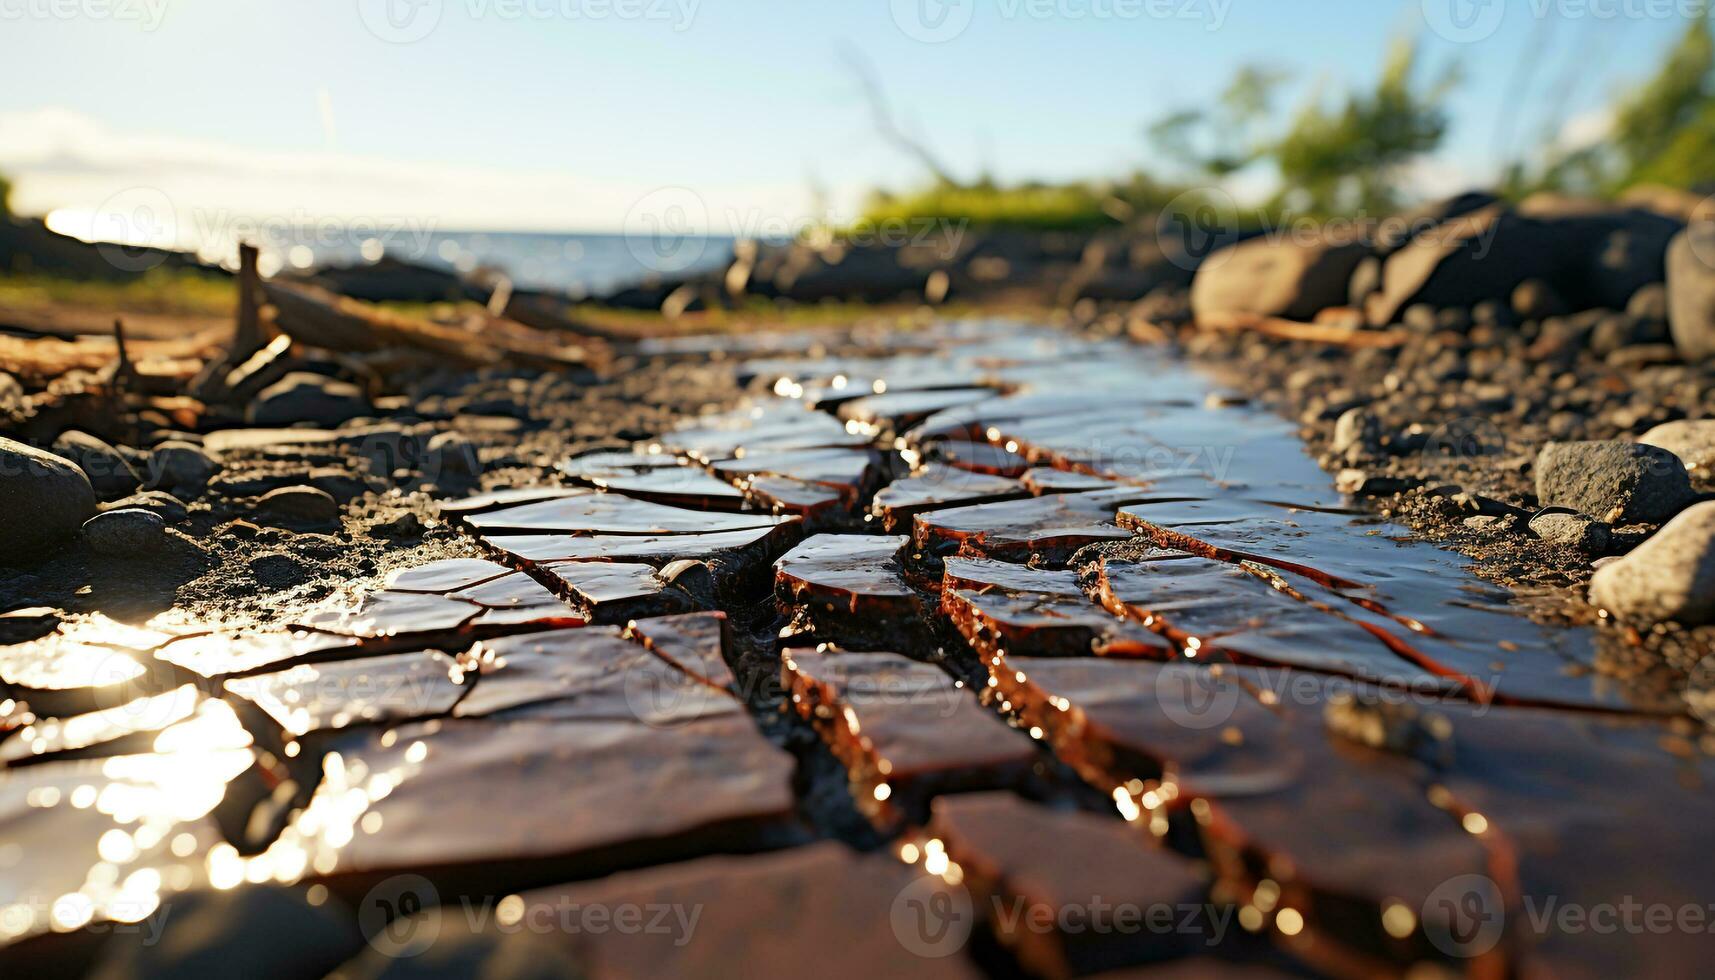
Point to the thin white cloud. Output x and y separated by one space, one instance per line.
65 161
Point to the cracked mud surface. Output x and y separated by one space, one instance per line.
867 643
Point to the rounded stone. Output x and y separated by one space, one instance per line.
124 533
109 473
1693 441
302 397
180 466
299 507
1669 577
44 499
1617 482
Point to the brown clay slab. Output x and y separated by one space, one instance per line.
851 586
519 600
125 729
1065 900
1000 606
389 614
733 548
979 457
938 486
654 477
1049 527
897 411
447 575
376 690
1290 817
773 913
695 643
462 801
615 592
1215 610
904 731
609 513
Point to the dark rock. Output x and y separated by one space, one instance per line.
164 505
1617 330
1289 279
299 507
1691 291
1669 577
125 533
302 397
1396 231
1478 256
44 499
1572 530
340 484
180 467
1617 482
108 472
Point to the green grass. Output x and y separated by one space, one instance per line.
1038 207
157 291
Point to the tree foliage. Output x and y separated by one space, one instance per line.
5 196
1339 156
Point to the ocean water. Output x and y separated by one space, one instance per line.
578 264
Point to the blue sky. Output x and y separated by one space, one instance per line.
561 114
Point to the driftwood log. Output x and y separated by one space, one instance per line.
319 318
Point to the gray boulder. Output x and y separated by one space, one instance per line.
1693 441
164 505
302 397
125 533
181 467
1282 278
109 473
298 507
1616 482
44 499
1691 291
1669 577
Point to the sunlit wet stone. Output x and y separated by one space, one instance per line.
695 643
615 592
997 840
1000 606
384 614
658 478
146 724
903 729
607 513
462 801
376 690
87 844
939 486
448 575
